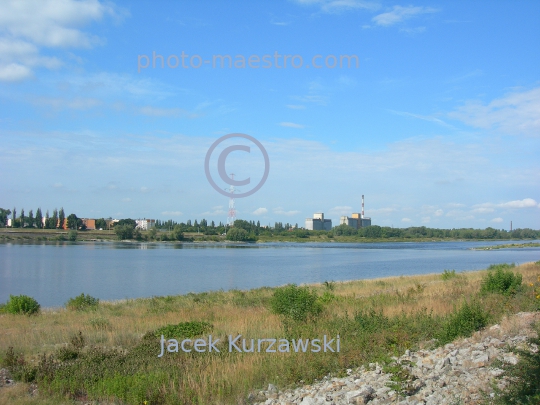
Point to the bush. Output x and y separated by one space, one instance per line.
448 274
124 231
240 235
183 330
296 303
371 321
82 303
501 280
72 235
21 304
463 322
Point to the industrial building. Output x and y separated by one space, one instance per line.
357 220
318 223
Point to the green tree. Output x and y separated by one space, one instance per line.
54 219
4 216
22 218
61 217
124 231
72 221
39 218
177 233
31 219
240 235
101 223
127 221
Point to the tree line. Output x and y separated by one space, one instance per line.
251 230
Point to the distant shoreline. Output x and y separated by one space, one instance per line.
56 235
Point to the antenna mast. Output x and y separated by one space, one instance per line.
232 210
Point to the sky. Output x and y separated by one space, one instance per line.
431 109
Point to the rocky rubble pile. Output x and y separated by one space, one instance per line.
457 373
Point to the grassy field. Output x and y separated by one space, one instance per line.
109 353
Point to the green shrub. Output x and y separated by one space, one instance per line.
72 235
183 330
240 235
448 274
296 303
21 304
82 303
371 321
501 280
464 321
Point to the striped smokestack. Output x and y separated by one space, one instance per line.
362 216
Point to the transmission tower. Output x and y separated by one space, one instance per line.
232 210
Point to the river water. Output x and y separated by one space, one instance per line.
54 272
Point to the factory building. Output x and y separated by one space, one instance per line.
318 223
357 220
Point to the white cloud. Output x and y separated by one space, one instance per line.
341 210
382 211
439 212
260 211
172 213
26 25
483 210
497 219
217 210
406 220
14 73
525 203
336 6
422 117
281 211
399 14
291 125
516 113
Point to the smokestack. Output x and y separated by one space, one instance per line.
362 216
510 226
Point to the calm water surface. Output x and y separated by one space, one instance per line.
54 272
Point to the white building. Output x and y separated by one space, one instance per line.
318 223
145 224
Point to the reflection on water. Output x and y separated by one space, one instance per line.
52 272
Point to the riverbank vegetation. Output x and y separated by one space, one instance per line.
108 351
249 231
509 246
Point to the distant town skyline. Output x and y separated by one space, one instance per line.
438 124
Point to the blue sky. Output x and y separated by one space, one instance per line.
438 124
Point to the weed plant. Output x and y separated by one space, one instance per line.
21 304
82 303
502 280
